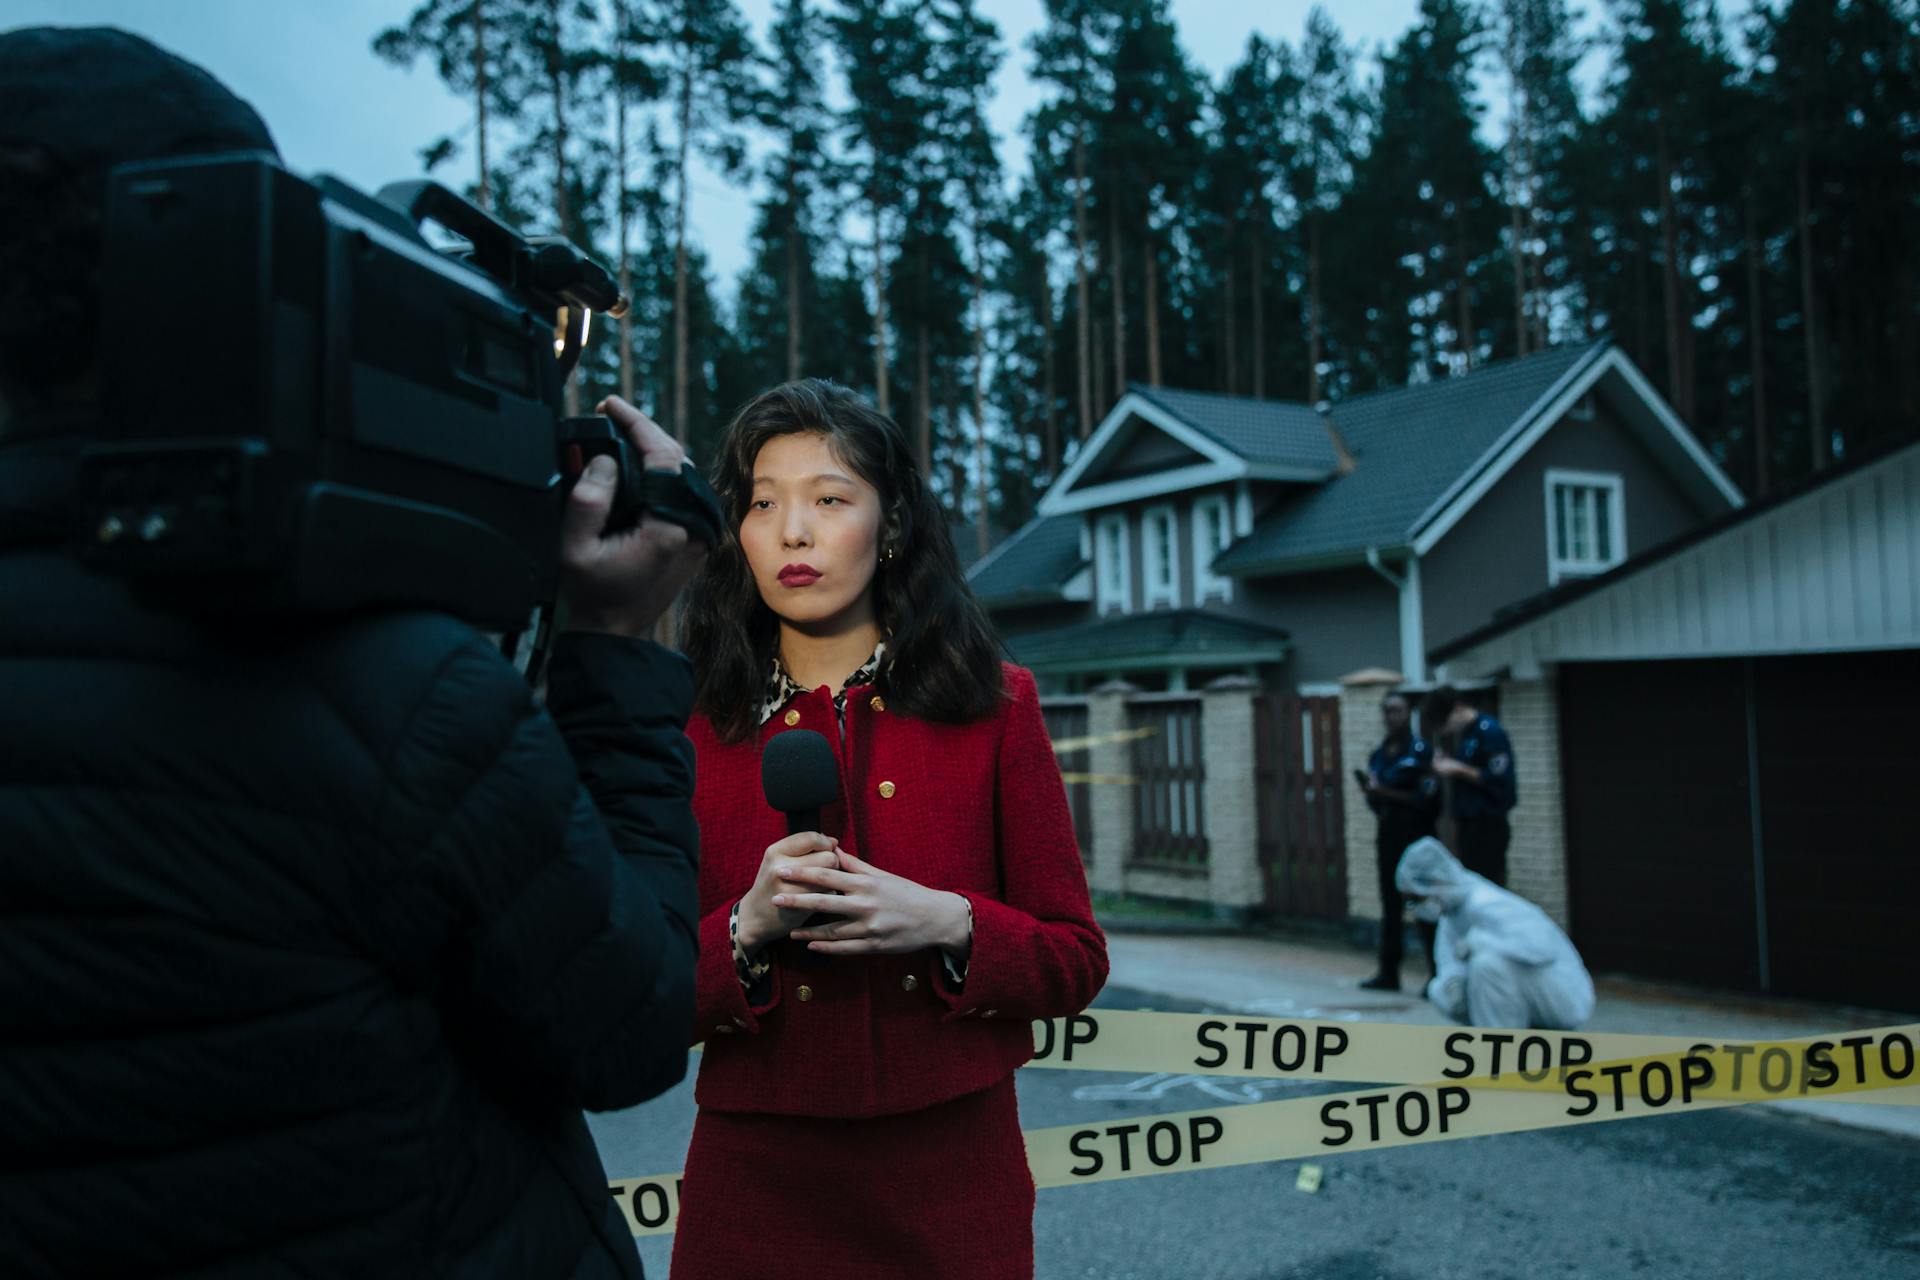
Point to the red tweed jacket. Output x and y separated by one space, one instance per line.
978 809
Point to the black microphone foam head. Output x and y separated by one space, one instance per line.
798 771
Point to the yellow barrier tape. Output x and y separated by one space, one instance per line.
1476 1083
1397 1053
1063 745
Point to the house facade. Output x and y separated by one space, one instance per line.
1217 592
1198 535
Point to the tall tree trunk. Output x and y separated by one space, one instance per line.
1519 279
923 398
1229 317
880 398
1313 307
1118 276
956 457
623 195
1048 393
1809 303
1670 279
562 215
1756 345
1084 320
923 366
1256 282
480 98
983 484
793 269
1099 353
680 326
1462 286
1642 327
1150 252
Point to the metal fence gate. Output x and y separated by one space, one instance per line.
1169 818
1067 728
1302 823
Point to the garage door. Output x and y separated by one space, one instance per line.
1736 823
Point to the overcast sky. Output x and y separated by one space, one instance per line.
306 66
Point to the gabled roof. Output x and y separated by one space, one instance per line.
1852 541
1261 431
1031 567
1410 446
1163 638
1231 438
1388 472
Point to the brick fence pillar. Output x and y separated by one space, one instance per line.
1360 732
1537 859
1110 800
1235 884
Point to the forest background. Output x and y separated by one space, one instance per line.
1734 203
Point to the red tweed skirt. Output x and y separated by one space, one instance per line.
941 1192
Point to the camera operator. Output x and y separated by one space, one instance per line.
317 937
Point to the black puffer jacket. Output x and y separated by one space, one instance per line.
312 948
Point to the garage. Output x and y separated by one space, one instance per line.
1732 822
1734 767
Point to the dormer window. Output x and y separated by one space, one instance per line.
1159 542
1586 523
1114 582
1212 533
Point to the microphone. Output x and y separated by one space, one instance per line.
800 777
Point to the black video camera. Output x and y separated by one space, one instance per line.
311 409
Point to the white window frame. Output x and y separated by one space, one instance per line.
1208 514
1111 596
1160 544
1614 488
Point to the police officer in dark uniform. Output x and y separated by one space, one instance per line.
1485 784
1403 793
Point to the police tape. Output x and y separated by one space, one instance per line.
1400 1053
1063 745
1481 1083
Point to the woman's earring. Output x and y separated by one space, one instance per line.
886 553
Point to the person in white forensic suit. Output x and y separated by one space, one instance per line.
1498 960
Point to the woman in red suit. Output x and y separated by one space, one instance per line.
865 991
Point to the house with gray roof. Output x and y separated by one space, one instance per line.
1197 535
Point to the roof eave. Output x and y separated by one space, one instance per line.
1280 566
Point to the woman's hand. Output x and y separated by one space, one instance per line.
880 913
763 919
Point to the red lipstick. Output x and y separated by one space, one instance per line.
799 575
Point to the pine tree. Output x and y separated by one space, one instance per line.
884 55
471 56
1538 54
1324 123
711 63
1068 53
1429 220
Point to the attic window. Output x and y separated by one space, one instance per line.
1159 543
1212 532
1586 523
1113 580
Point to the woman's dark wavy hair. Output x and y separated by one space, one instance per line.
943 659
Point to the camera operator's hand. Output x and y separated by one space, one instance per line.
623 582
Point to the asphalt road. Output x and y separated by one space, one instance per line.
1735 1193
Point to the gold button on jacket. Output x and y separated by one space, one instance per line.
879 703
909 983
792 717
805 993
886 790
